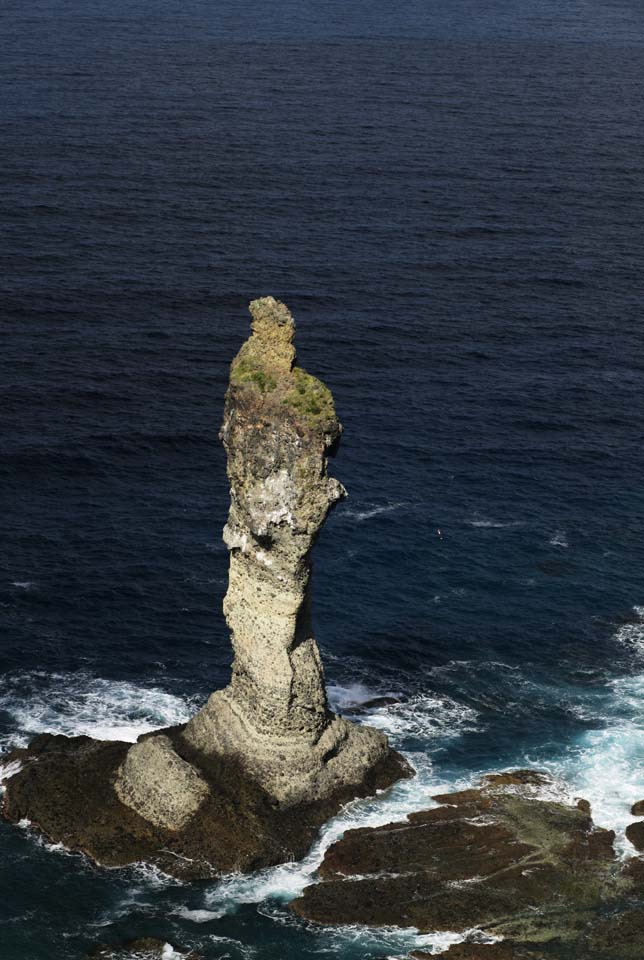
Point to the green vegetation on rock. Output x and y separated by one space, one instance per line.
247 369
310 397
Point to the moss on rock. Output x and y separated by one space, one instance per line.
310 397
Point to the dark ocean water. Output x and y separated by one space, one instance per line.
450 197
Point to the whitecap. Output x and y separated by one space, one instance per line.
198 916
632 634
397 940
169 953
352 695
559 539
7 771
151 875
23 584
424 716
373 511
76 704
606 766
493 524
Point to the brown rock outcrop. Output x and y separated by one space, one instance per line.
504 858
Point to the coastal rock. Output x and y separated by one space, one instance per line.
637 810
375 703
635 833
508 858
249 780
479 951
158 784
619 935
279 428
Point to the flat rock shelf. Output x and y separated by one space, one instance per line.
509 859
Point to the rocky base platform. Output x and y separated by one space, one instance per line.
65 787
509 859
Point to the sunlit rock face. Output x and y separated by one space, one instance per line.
279 428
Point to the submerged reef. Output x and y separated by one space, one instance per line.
248 781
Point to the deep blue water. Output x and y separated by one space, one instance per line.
450 197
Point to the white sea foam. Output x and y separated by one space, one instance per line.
8 770
198 916
632 634
23 584
352 695
151 875
244 949
397 941
559 539
76 703
420 716
606 766
287 880
601 772
424 717
169 953
493 524
373 511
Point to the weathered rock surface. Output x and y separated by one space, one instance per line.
635 833
507 859
279 428
249 780
480 951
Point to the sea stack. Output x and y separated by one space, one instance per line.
252 776
279 428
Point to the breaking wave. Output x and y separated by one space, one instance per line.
559 539
605 765
78 704
424 717
631 634
419 716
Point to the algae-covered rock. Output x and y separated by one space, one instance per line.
509 858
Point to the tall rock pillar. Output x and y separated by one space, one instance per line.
279 428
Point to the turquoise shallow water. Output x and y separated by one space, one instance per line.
449 197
